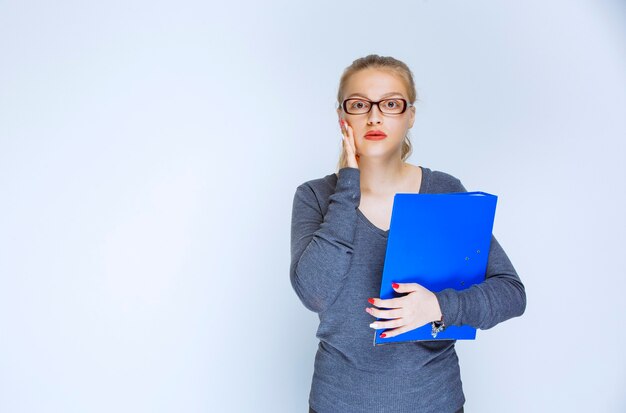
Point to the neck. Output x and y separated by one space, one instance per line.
381 177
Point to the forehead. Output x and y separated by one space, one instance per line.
374 84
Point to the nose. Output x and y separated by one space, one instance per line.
375 116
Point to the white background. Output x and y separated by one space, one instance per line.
149 153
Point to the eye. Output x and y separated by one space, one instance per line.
393 104
358 104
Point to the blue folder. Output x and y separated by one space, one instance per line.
438 241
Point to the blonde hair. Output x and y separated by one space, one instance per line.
395 67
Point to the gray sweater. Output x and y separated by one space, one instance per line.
337 257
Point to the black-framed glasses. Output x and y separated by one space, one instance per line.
391 106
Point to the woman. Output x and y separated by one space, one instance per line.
338 241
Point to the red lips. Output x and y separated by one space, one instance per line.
375 135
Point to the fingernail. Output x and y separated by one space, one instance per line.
374 325
367 310
394 285
371 300
383 335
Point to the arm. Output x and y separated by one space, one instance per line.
500 297
322 245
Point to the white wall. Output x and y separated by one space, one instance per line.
149 152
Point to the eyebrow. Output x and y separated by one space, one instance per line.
383 96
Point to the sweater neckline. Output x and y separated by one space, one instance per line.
385 233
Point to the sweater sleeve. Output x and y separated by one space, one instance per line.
322 245
499 297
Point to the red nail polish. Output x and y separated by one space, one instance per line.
371 300
394 285
383 335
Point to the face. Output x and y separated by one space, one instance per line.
374 85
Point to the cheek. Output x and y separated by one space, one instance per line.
403 126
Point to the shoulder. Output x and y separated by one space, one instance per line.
320 185
318 189
443 182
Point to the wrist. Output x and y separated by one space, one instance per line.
437 314
438 324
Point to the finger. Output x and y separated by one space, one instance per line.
385 313
343 124
351 137
347 148
381 325
342 127
344 133
406 287
395 332
398 302
344 140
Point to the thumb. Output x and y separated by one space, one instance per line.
405 287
